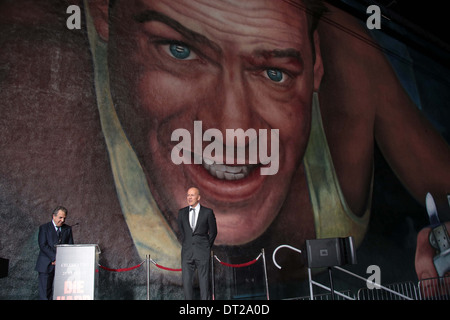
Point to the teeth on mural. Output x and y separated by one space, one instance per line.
233 169
208 161
224 172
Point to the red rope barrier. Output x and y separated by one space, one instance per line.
162 267
165 268
121 269
239 265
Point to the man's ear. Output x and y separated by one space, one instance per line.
99 13
318 64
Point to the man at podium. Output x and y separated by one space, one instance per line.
51 234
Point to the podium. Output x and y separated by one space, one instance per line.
76 272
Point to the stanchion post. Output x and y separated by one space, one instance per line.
147 257
331 283
212 276
311 292
265 273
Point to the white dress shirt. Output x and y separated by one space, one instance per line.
194 215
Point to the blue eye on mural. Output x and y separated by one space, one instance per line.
275 75
179 51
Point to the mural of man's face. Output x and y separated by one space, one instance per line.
231 65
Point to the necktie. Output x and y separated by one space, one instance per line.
192 217
58 232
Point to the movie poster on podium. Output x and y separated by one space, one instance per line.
75 272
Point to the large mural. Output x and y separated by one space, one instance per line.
296 120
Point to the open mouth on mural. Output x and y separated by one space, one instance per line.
234 182
229 167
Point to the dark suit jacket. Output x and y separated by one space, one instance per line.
47 240
196 244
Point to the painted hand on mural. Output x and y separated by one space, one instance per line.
427 255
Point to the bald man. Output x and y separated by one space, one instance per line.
198 230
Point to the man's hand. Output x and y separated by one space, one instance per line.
424 254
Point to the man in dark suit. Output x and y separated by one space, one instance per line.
198 231
50 234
